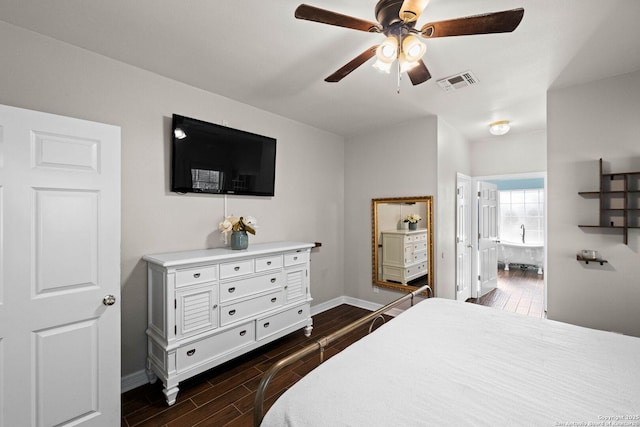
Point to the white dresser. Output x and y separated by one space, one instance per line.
209 306
404 255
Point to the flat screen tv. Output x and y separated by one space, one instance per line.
209 158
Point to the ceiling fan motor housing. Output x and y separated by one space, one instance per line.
388 14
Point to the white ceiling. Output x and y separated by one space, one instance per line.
256 52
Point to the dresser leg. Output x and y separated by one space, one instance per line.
151 376
307 330
171 394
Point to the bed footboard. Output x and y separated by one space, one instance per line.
320 346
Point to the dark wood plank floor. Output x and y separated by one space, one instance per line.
223 396
519 291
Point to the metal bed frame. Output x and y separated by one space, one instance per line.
321 344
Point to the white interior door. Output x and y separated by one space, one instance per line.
60 271
487 237
463 238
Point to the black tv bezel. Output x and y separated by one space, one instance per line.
228 130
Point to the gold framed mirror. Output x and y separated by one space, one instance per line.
402 251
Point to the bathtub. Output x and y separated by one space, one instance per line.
521 253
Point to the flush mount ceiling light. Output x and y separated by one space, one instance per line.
500 127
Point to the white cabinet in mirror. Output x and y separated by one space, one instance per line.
402 252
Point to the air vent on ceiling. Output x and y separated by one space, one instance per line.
457 81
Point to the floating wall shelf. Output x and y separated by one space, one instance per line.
619 197
588 260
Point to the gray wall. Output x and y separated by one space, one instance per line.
512 153
587 122
42 74
453 157
398 161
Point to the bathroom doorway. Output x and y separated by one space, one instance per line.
521 250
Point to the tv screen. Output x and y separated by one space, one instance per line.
209 158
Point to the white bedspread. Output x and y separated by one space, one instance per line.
447 363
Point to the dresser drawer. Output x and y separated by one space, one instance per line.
294 258
196 275
420 256
241 288
416 270
237 311
276 323
236 268
198 352
420 245
268 263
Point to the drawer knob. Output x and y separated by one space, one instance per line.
295 258
299 311
243 333
191 352
274 299
236 268
215 306
231 290
232 312
268 262
266 325
196 275
273 280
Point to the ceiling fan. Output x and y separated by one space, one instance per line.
397 20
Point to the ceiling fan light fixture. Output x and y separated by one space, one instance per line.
405 63
500 127
385 67
388 50
411 9
413 48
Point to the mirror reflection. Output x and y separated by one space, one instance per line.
402 242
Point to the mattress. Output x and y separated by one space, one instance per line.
449 363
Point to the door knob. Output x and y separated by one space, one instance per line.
109 300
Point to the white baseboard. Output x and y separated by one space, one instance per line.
138 379
360 303
135 380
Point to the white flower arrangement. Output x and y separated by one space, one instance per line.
412 218
233 223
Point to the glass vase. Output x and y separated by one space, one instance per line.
239 240
413 226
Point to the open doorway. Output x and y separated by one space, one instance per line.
520 244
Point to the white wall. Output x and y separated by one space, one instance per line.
587 122
399 161
512 153
453 158
40 73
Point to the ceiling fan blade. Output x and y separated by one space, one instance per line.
497 22
352 65
312 13
419 73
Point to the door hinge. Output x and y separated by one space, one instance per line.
175 329
175 303
479 277
479 193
